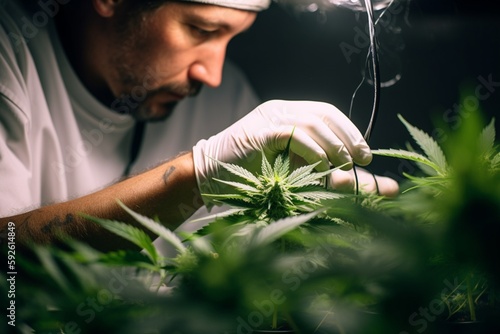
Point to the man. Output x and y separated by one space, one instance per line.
78 82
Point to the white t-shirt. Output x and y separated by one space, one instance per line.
58 142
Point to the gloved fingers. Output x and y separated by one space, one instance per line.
335 149
301 144
349 134
344 129
369 183
387 186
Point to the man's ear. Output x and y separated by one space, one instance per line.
106 8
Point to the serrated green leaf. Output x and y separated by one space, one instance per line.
436 184
319 194
320 175
424 168
428 145
495 161
217 216
315 177
239 203
130 233
309 179
239 200
487 138
267 169
281 166
238 185
300 172
279 228
156 228
224 223
240 171
128 258
403 154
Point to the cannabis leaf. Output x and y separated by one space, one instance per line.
495 162
156 228
408 155
434 156
275 230
428 145
130 233
487 138
436 159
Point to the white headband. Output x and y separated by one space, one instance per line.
254 5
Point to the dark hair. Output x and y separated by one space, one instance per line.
147 5
135 5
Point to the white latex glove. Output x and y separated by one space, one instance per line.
321 132
367 182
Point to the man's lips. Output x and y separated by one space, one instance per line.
178 97
166 97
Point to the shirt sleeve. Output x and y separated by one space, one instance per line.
15 162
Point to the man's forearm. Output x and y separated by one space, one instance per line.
168 191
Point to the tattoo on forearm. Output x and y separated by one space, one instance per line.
168 173
57 223
24 227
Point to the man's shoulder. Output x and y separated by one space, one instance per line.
24 42
13 61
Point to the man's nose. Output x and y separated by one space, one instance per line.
208 66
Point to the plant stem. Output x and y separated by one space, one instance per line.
470 299
274 323
275 319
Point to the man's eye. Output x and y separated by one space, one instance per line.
202 32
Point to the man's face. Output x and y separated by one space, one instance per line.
162 56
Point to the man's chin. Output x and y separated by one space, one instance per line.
155 113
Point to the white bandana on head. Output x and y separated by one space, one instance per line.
253 5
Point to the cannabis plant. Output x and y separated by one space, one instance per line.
232 262
342 227
352 267
214 269
456 199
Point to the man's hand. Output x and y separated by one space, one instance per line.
320 131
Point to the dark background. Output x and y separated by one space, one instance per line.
438 47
